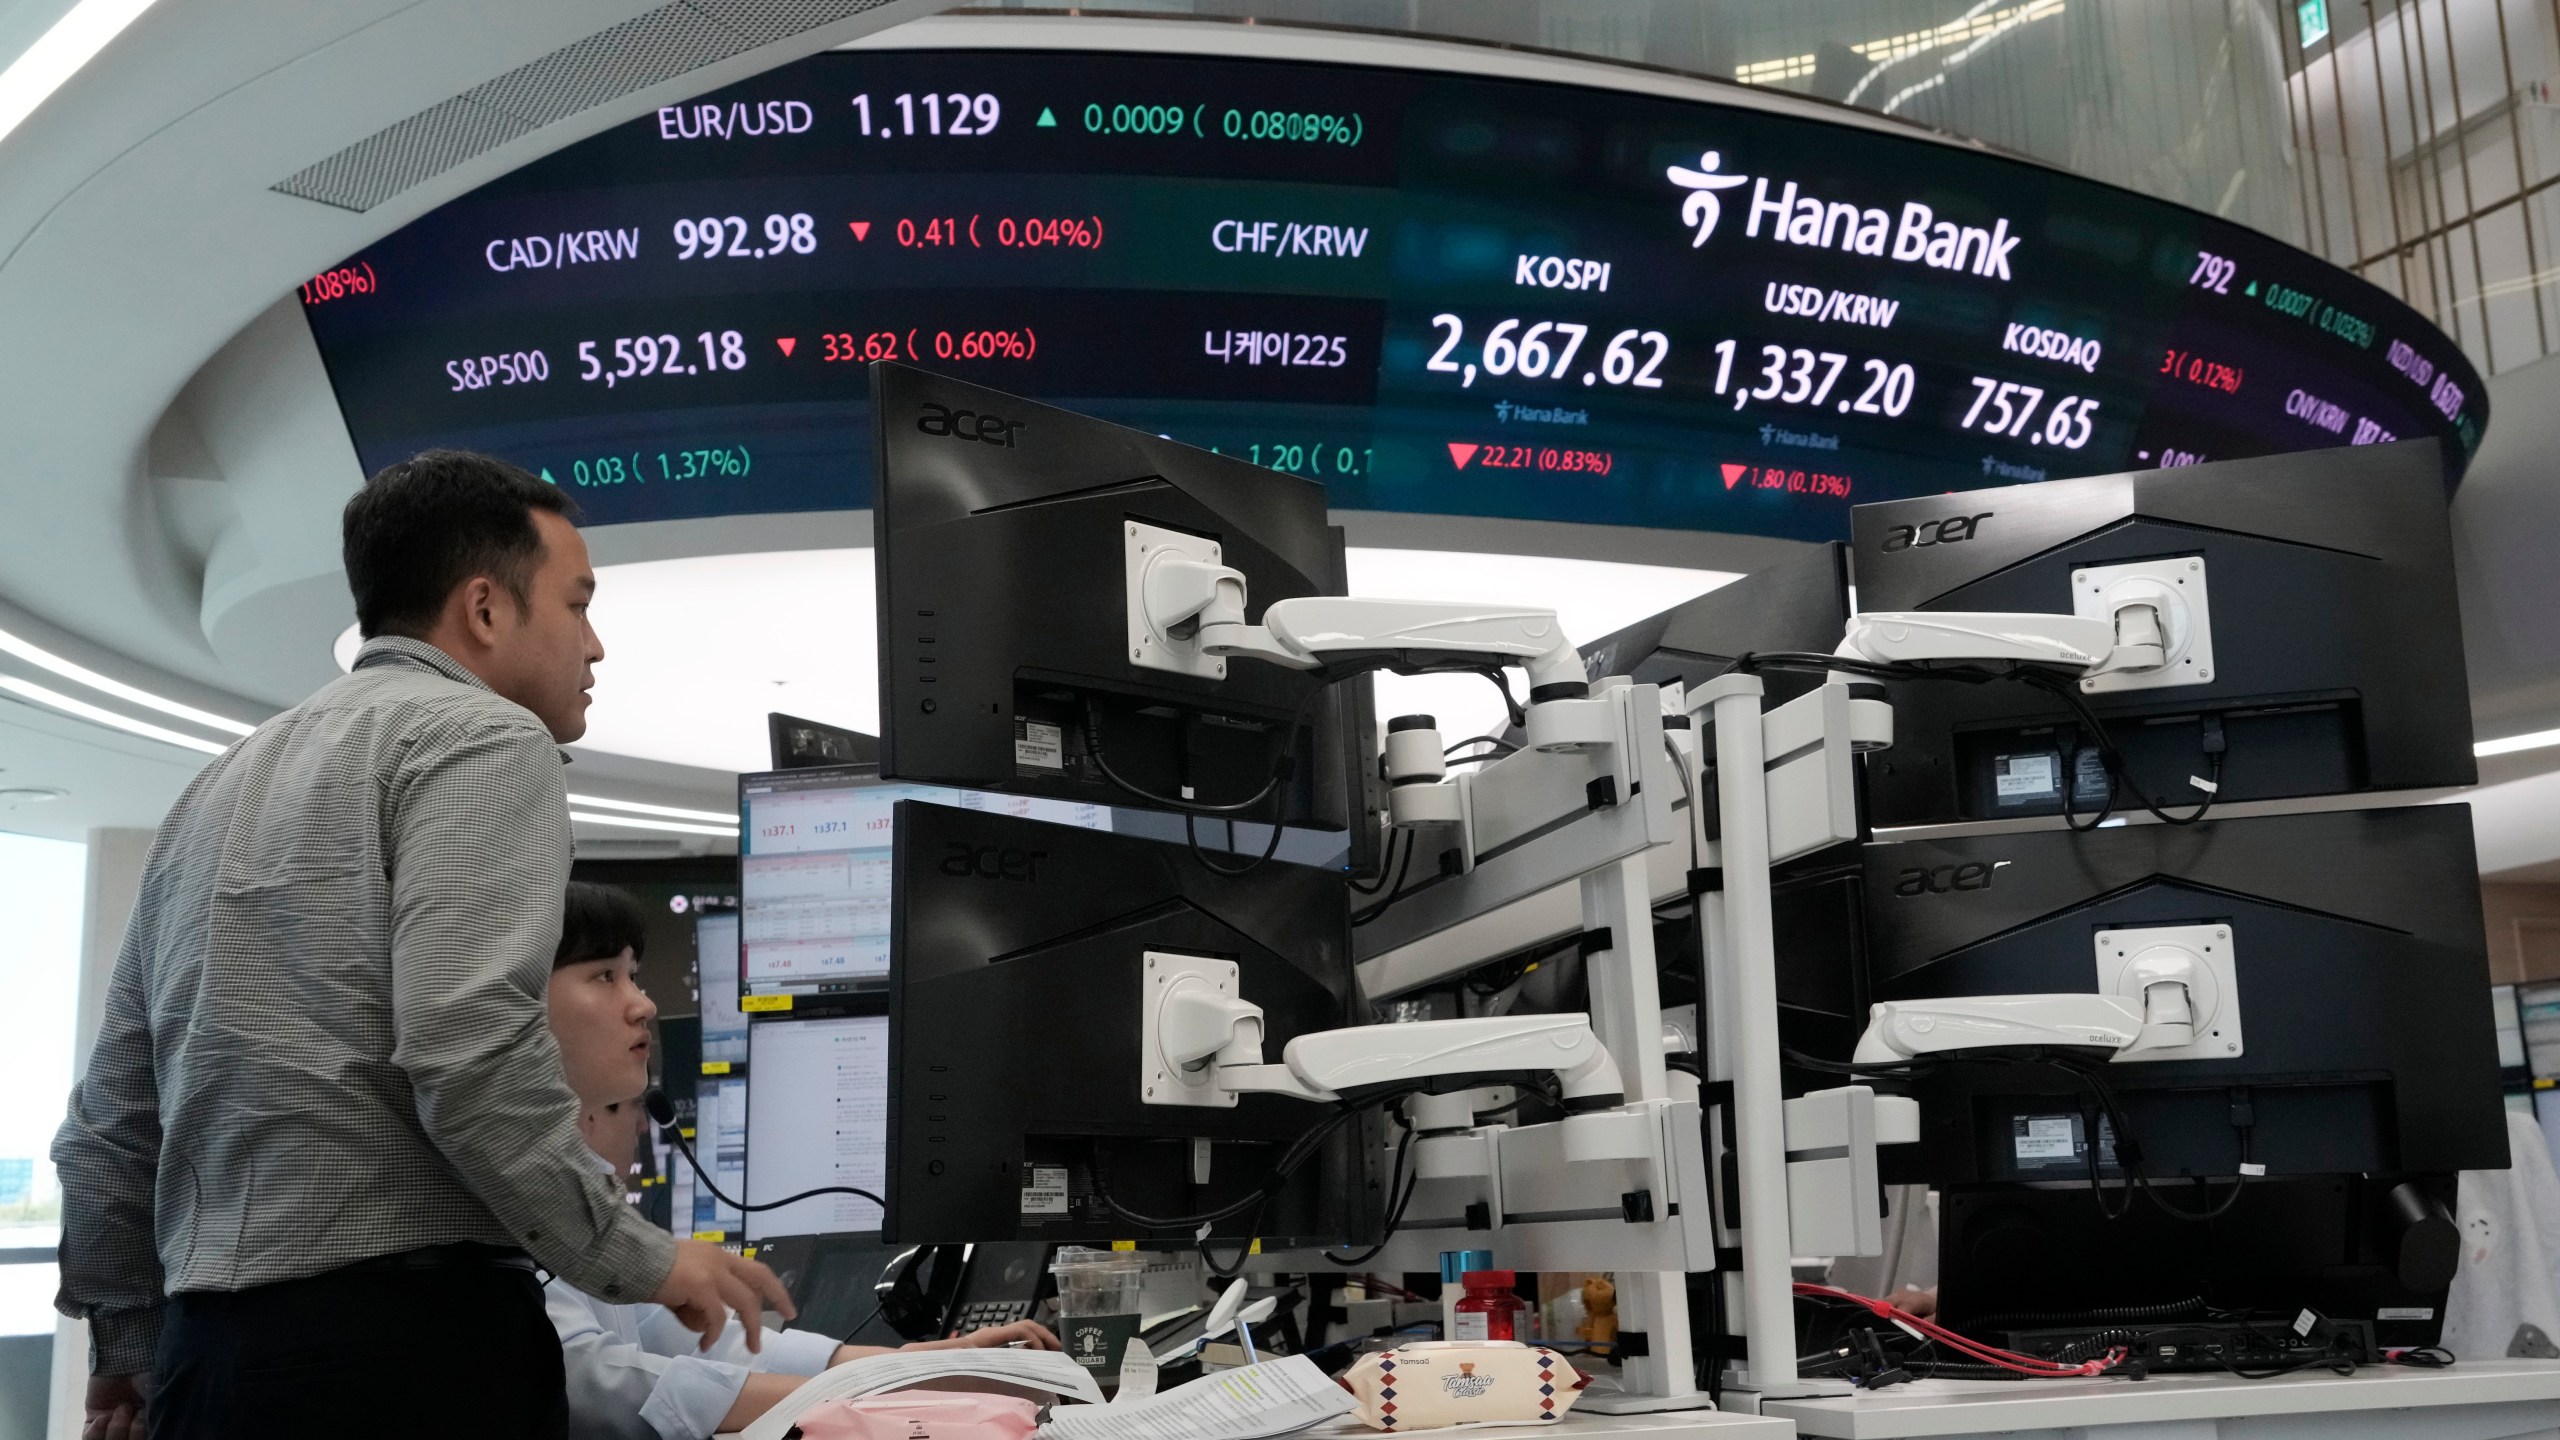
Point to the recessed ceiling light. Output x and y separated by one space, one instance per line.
2537 740
15 795
103 716
45 659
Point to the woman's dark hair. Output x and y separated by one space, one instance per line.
598 923
424 526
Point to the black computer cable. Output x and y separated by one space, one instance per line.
1191 837
1386 865
1184 805
1395 892
663 1111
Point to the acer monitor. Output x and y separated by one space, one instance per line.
1006 660
2372 1255
1800 604
813 868
2334 662
1018 952
2343 1020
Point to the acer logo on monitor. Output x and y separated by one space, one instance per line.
1940 879
1949 531
967 425
992 862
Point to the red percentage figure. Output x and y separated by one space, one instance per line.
1072 232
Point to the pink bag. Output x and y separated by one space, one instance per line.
922 1415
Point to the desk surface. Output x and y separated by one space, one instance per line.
1672 1425
1971 1407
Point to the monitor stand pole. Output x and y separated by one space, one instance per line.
1742 1047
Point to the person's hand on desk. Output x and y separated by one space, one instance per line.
1029 1334
708 1283
114 1408
1923 1303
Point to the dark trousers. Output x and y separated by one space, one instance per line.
456 1351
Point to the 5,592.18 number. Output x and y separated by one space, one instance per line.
638 355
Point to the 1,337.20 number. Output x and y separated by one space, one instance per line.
1805 377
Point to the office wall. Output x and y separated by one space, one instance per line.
114 878
2524 931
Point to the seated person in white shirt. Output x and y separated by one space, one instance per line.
634 1370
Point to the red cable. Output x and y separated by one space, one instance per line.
2035 1367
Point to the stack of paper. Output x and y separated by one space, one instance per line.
1276 1397
872 1374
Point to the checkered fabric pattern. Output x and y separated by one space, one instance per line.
325 1040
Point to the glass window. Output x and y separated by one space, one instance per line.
40 898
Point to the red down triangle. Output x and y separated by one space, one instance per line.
1460 452
787 342
1733 473
861 229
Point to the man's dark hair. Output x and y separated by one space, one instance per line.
424 526
599 922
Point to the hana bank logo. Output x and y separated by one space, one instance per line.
1702 208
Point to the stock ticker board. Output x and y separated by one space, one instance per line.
1432 293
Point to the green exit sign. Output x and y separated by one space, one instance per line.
2313 18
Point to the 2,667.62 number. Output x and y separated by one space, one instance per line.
1546 349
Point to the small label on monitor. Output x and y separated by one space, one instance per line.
2026 777
1044 1190
1038 747
2405 1312
2047 1137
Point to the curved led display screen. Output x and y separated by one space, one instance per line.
1432 292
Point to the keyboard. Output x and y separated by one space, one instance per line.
984 1313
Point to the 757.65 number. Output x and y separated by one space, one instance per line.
2013 408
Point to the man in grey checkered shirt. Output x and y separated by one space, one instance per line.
323 1141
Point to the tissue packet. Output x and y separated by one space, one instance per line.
1427 1386
922 1415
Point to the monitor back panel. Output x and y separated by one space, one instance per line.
1017 972
2337 640
2011 1258
1001 526
1801 603
2362 974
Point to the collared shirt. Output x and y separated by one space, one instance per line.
635 1372
325 1037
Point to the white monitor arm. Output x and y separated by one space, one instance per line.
1203 1047
2128 640
2133 625
1187 614
1899 1030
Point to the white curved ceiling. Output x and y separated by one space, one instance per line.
177 461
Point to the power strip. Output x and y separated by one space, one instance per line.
2201 1345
